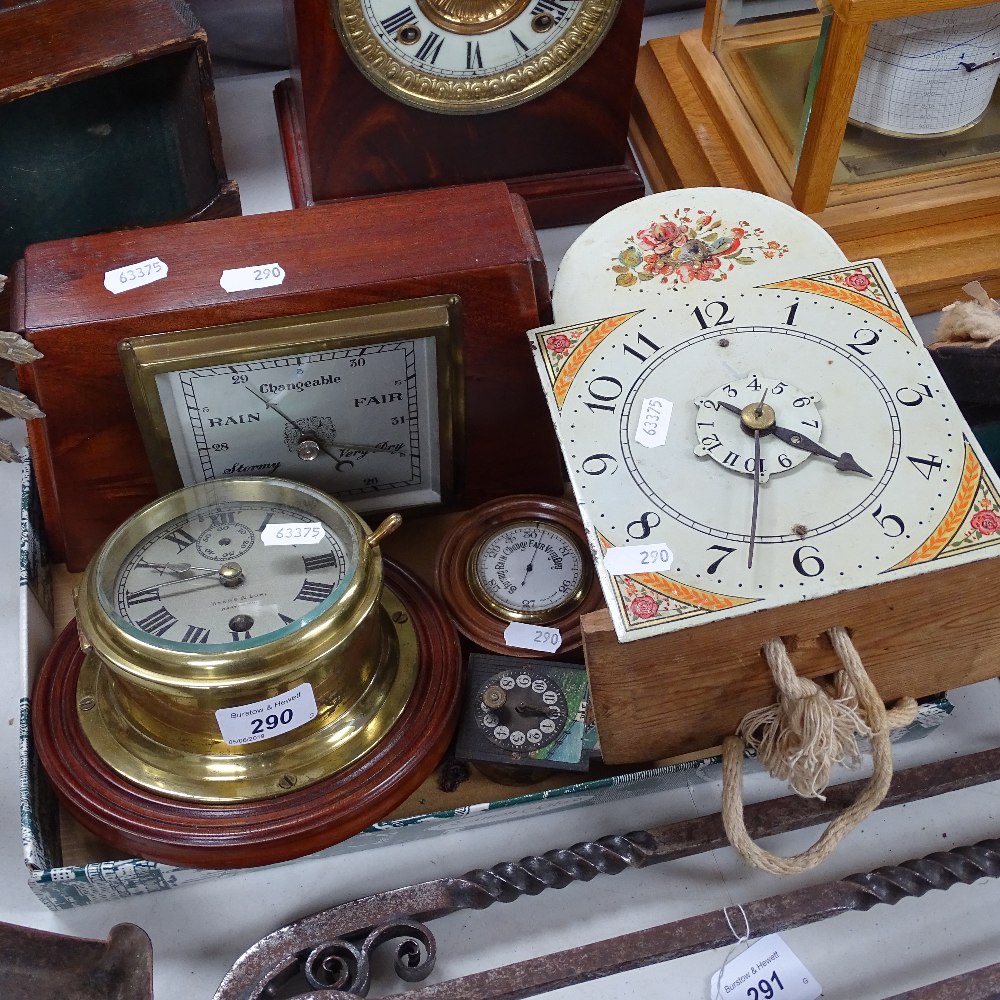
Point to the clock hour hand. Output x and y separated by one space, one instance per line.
844 462
182 568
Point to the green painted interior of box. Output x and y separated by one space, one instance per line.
129 147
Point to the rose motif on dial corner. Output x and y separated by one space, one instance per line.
644 606
558 343
986 522
693 245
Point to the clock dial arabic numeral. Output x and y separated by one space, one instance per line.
725 550
871 339
807 565
925 466
909 396
605 461
158 623
792 310
643 526
642 338
610 389
714 314
891 524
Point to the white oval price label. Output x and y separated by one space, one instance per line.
292 534
521 635
262 720
654 422
649 558
124 279
242 279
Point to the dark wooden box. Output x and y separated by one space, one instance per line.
107 120
476 242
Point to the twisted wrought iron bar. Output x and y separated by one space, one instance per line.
687 936
280 957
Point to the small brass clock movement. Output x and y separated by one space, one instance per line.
239 662
516 575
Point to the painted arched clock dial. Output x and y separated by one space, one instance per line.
470 56
761 447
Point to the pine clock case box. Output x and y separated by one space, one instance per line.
704 115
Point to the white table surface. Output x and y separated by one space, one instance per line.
198 931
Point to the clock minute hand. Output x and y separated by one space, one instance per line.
844 462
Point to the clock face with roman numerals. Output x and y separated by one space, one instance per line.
230 572
470 56
763 446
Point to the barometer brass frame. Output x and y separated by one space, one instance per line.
438 316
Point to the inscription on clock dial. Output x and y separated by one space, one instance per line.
529 567
360 423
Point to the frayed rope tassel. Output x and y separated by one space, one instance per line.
800 739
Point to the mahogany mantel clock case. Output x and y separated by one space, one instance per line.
387 96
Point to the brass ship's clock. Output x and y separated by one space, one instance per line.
247 679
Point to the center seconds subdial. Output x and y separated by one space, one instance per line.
723 436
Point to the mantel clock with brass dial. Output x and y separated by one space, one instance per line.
391 95
251 682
